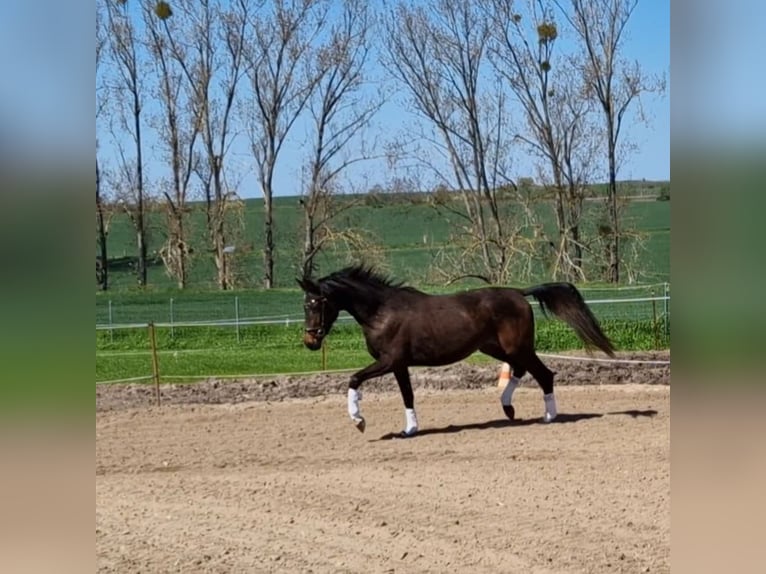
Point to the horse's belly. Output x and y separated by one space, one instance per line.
437 351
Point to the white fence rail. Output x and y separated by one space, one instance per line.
287 320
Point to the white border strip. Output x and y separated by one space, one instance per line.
597 360
130 380
212 323
627 300
259 375
646 287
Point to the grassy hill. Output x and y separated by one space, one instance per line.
407 230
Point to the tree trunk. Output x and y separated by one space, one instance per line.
564 218
141 243
103 275
182 271
218 228
576 247
576 253
575 213
308 243
561 223
268 247
221 264
614 244
139 220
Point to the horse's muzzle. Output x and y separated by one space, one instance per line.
313 340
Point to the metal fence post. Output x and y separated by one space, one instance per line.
655 326
236 315
666 308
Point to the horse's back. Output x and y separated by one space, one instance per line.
502 299
479 307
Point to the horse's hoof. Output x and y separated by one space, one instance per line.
509 411
408 434
360 424
548 418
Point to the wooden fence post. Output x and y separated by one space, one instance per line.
155 363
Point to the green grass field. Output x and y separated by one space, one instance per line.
195 353
408 235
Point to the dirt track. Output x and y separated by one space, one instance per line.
264 486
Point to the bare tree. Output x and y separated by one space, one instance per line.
217 102
102 261
438 52
281 82
339 112
106 209
123 43
178 128
613 83
573 120
208 46
556 113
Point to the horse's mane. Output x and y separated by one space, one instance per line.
361 278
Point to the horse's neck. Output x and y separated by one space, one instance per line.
362 309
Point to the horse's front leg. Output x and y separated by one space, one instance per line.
405 386
377 369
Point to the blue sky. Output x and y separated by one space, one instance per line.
648 41
718 74
43 67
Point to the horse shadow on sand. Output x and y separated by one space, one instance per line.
562 418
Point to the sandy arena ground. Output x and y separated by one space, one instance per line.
214 482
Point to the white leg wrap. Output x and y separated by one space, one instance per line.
507 396
550 408
411 422
354 396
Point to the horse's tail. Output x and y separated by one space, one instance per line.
566 303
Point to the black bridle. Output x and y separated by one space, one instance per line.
321 330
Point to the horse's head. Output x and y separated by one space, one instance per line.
320 314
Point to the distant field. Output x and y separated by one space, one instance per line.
409 235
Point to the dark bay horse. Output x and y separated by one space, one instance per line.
404 327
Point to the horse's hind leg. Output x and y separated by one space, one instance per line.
405 387
517 371
544 377
506 398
